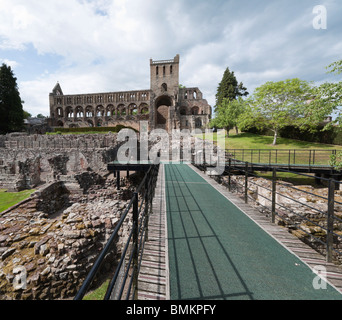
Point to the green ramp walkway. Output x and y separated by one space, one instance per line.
217 252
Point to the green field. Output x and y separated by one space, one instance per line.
254 141
9 199
259 149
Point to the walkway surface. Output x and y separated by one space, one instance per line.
216 250
153 277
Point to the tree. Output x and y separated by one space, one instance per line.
229 88
335 67
228 113
276 105
328 98
27 114
11 108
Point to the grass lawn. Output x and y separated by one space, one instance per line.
254 141
9 199
99 293
275 154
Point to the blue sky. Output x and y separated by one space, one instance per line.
105 45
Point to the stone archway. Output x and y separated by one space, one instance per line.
163 105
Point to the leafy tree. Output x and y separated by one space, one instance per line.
327 99
40 116
229 88
228 113
276 105
336 160
27 114
336 67
11 109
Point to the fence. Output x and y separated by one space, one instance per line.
326 224
283 156
128 267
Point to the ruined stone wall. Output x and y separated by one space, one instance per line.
26 161
49 242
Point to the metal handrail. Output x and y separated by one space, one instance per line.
283 156
146 189
246 168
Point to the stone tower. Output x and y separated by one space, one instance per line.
164 97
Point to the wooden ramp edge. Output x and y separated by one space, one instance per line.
153 281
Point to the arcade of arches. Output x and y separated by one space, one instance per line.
165 105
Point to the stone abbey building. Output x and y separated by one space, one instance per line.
165 105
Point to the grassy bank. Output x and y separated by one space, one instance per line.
259 149
9 199
99 293
254 141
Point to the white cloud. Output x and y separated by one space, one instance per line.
12 64
105 45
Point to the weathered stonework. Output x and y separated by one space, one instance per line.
165 105
27 161
49 242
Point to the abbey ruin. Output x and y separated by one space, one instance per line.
53 237
165 105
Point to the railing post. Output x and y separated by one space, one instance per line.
330 220
246 182
294 156
274 190
118 180
310 158
147 201
135 245
269 157
229 175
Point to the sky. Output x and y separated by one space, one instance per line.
93 46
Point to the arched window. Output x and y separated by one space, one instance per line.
100 112
198 123
89 112
145 110
195 111
133 109
60 112
164 87
70 112
121 110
